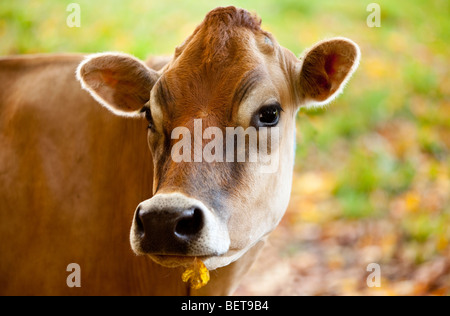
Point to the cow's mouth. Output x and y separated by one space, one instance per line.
212 262
173 261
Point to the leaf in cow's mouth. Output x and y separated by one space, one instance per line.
197 275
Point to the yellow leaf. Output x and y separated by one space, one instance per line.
412 201
197 275
442 243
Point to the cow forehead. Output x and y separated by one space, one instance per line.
207 94
197 84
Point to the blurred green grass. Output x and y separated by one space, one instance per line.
382 147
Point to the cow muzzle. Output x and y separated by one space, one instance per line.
176 225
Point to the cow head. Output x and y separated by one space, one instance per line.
228 77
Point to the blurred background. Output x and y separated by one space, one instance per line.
371 182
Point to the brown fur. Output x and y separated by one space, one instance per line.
71 175
206 80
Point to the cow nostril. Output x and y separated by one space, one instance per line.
189 224
138 221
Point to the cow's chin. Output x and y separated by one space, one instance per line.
170 261
211 262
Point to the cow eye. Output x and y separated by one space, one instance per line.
148 117
269 115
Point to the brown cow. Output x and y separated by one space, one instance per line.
71 174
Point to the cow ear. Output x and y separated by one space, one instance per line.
120 82
326 68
